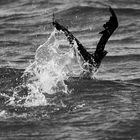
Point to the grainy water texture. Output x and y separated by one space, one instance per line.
43 93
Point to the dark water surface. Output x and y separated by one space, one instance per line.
105 108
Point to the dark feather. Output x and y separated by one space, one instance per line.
100 53
70 38
109 28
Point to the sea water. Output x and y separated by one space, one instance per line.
43 94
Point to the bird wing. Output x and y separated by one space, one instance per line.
109 28
86 55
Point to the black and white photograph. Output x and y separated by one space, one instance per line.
69 70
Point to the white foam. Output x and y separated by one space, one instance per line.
47 74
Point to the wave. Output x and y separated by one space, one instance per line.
117 59
83 10
128 11
136 80
4 2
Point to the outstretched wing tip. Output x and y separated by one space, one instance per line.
109 27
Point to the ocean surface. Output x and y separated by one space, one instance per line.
42 93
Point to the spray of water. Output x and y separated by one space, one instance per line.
55 61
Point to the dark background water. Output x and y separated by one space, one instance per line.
107 108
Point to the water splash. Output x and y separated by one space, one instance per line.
55 61
51 67
46 75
